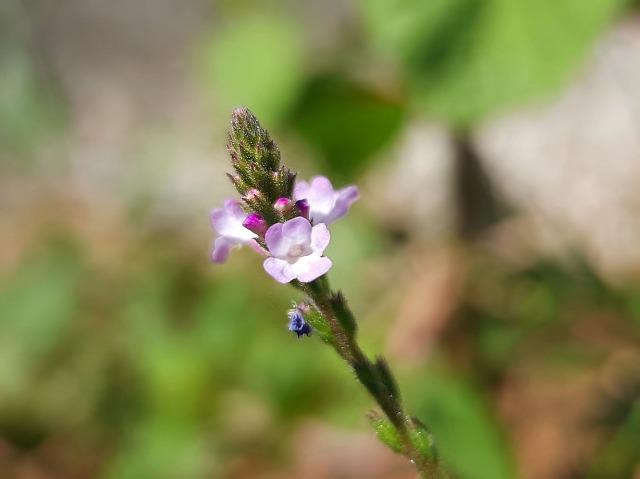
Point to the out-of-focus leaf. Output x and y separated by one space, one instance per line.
470 58
255 62
621 456
467 438
164 452
29 114
35 306
346 123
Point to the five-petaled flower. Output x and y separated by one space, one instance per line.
326 204
296 250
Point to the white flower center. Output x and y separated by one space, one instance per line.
298 250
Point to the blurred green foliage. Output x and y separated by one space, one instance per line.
255 60
467 435
30 114
346 122
619 458
467 59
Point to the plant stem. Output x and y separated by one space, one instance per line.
375 376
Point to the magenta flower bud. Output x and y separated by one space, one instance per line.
283 205
302 207
256 224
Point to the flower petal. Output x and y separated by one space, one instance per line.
276 243
221 249
298 230
301 190
227 221
321 198
279 269
310 267
320 238
326 204
253 244
344 198
234 209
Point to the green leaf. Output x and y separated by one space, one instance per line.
468 59
387 378
385 431
256 62
422 439
319 325
343 313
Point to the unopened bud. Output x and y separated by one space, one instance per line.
283 206
252 195
256 224
302 207
297 324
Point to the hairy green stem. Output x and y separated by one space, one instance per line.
375 376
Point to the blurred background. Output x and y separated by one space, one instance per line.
494 256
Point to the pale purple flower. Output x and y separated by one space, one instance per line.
227 221
296 249
327 205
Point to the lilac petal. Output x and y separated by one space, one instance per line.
321 198
321 187
227 222
344 198
310 267
319 194
320 238
297 230
276 242
326 204
234 209
301 190
221 249
279 269
253 244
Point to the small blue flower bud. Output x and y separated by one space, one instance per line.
297 324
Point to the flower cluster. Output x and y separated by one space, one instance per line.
284 220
